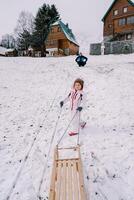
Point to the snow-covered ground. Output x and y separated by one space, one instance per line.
30 91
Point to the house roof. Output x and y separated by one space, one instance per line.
67 31
129 1
9 50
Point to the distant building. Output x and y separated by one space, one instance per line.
11 53
3 51
8 52
61 41
118 31
119 21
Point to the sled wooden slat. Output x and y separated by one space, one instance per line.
75 172
58 184
67 178
70 192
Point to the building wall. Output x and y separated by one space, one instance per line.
116 47
111 22
95 49
74 49
54 36
57 39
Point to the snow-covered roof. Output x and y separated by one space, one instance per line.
2 50
67 31
55 23
9 50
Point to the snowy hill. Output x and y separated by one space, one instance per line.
30 91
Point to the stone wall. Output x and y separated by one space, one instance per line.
116 47
95 49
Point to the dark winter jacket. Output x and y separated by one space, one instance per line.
81 59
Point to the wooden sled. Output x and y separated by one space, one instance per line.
67 181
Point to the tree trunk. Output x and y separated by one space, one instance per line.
43 51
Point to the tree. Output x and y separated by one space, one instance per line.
24 30
8 41
25 22
46 15
24 40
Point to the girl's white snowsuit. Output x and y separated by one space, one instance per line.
76 99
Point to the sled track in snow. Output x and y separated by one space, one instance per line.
32 145
30 149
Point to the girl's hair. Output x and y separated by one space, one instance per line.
80 81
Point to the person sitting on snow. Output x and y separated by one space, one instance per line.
81 60
76 98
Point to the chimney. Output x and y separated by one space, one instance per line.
67 25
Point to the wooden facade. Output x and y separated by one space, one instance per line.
119 21
61 41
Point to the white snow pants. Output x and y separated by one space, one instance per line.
76 122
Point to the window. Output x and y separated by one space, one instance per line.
52 30
130 20
122 22
51 42
125 9
129 36
115 12
59 30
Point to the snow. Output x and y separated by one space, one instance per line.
10 50
30 92
2 50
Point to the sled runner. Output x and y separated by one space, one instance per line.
67 181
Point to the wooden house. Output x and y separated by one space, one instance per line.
119 21
61 41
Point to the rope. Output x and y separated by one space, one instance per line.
78 139
66 129
53 135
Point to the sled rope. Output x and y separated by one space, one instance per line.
66 129
78 139
53 135
67 181
44 170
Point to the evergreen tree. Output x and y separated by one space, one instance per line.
24 40
46 15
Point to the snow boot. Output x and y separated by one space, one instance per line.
73 133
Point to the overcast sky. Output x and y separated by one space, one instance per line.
83 16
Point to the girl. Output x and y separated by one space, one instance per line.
76 105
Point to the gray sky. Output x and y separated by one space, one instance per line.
83 16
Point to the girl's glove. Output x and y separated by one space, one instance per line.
61 104
79 109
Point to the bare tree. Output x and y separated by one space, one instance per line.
24 30
24 23
8 41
